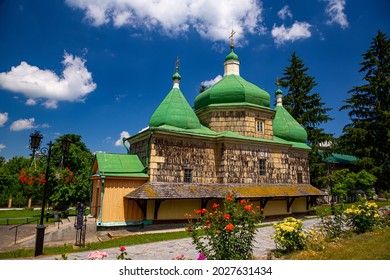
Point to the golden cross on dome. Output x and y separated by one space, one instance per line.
177 62
231 37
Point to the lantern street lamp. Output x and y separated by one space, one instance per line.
35 142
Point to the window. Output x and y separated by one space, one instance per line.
299 177
260 126
263 167
187 175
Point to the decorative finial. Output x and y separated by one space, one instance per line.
231 37
278 82
177 63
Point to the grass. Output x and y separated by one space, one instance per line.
368 246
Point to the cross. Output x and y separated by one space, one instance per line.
231 37
177 62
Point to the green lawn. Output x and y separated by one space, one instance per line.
368 246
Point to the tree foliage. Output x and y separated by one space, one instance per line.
345 183
62 192
308 109
368 134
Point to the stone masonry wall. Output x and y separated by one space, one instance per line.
224 162
241 164
169 157
242 122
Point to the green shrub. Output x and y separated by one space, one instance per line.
289 235
363 217
228 234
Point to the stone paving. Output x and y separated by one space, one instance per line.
168 250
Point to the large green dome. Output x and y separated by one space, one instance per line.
232 89
174 110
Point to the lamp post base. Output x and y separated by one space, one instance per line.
39 239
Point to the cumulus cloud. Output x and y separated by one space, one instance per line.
285 12
211 19
23 124
299 30
335 11
2 147
3 118
211 82
119 142
74 84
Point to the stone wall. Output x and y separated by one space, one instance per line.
243 122
169 158
221 162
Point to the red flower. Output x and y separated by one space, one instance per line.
215 206
203 211
122 248
229 227
229 197
227 217
248 207
198 212
242 201
218 231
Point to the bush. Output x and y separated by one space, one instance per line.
363 217
227 235
333 226
289 235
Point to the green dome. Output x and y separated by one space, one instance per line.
231 56
174 110
287 128
232 89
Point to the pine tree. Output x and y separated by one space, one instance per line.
308 109
368 134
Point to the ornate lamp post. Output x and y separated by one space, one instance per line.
35 142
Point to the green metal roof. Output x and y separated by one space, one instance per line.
122 165
174 110
286 127
208 133
231 56
232 89
340 159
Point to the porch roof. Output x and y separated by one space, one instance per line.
150 191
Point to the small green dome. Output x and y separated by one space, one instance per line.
176 76
232 89
174 110
287 128
231 56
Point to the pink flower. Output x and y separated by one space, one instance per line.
97 255
122 248
201 257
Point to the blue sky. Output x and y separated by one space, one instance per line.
100 68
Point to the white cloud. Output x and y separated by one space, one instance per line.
211 19
119 142
335 10
285 12
73 85
299 30
3 118
212 82
23 124
2 146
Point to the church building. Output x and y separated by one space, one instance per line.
188 158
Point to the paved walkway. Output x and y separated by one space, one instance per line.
168 250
